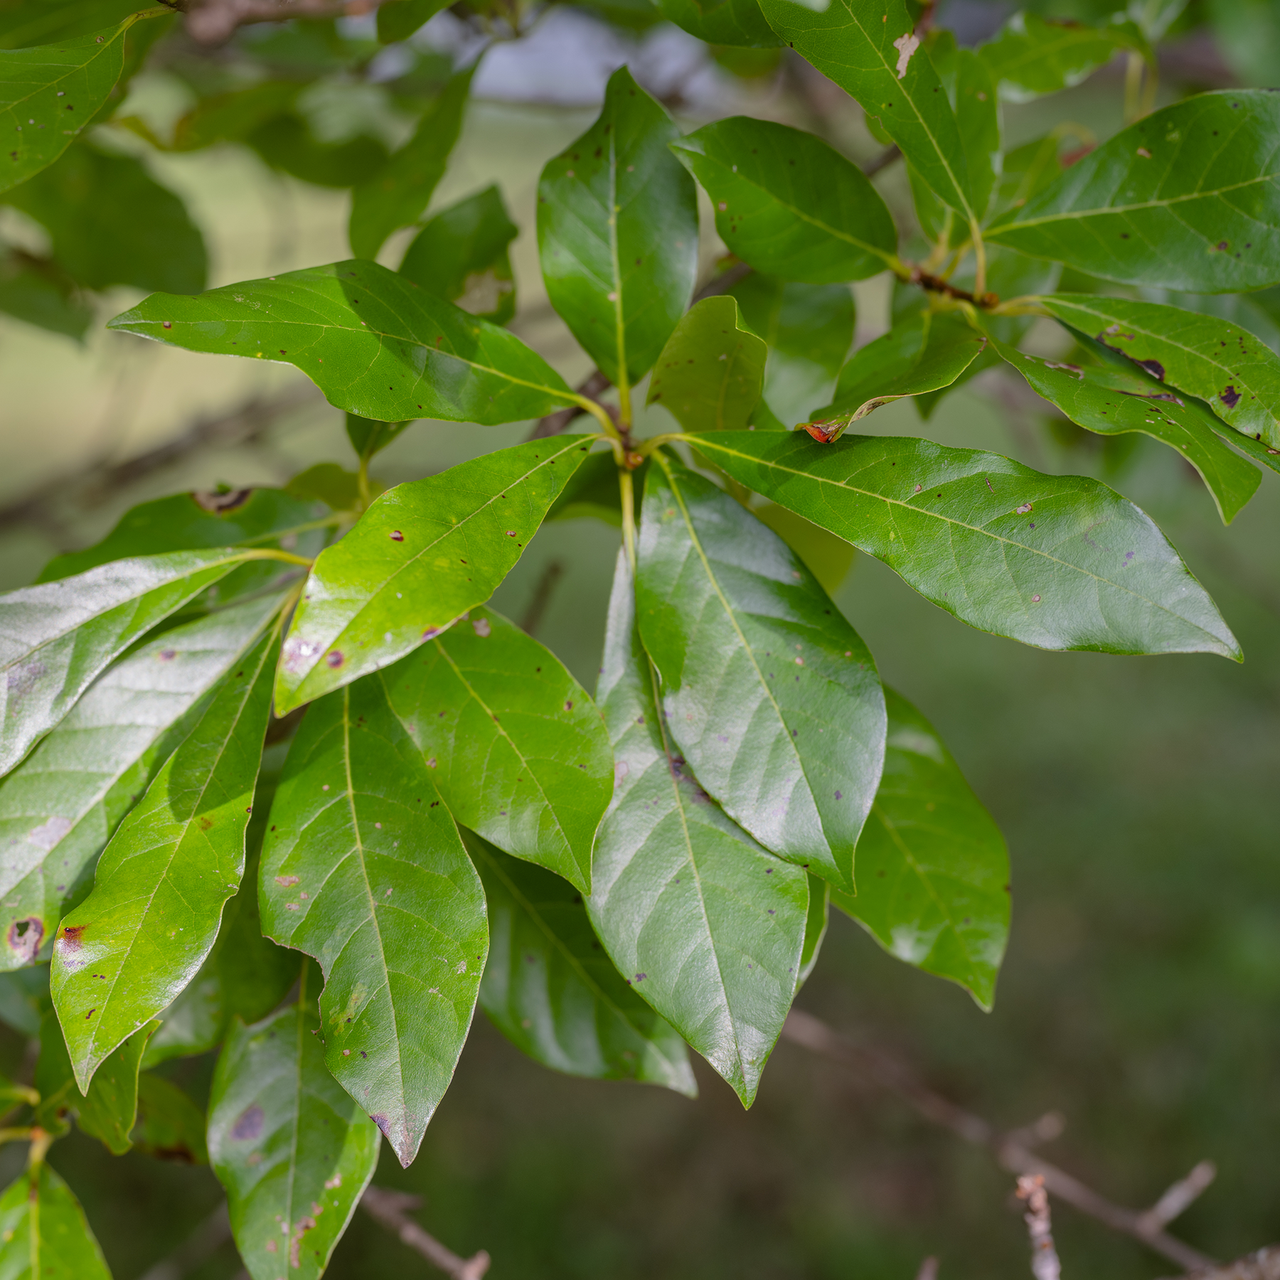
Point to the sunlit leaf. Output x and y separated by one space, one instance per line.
933 871
768 693
618 233
373 342
152 917
363 869
705 925
1060 562
551 990
292 1150
515 743
788 204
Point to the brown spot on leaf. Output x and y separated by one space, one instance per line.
249 1124
220 503
24 938
1230 397
335 659
1153 367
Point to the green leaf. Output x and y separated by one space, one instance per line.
188 521
169 1126
357 330
43 1232
462 255
287 143
972 91
327 482
827 557
815 925
141 935
1093 573
59 808
618 233
56 638
705 925
710 373
809 329
109 1109
592 491
871 51
112 223
231 117
39 292
23 994
400 20
398 195
51 92
420 557
363 870
245 976
29 22
1027 170
1202 355
292 1150
732 23
518 749
551 990
789 204
1110 400
1032 55
769 694
368 436
1187 198
925 352
933 870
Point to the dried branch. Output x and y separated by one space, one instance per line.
1180 1196
1044 1257
1010 1149
391 1209
1263 1265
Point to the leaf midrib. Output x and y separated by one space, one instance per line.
995 537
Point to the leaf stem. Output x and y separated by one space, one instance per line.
646 447
270 553
362 482
1133 87
600 414
627 485
19 1134
41 1141
980 261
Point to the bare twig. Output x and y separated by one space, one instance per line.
1180 1196
554 423
390 1208
1010 1149
883 160
1263 1265
1044 1257
551 575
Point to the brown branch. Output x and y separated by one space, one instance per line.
883 160
928 1270
1044 1257
1010 1149
214 21
1179 1198
1263 1265
551 575
390 1208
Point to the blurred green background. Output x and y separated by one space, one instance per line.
1141 992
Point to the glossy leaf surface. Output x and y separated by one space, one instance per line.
956 524
552 991
373 342
169 1126
111 223
43 1232
292 1150
56 638
711 372
872 52
60 806
1111 400
974 98
514 742
704 923
618 233
140 936
421 556
788 204
397 196
1188 198
50 93
363 869
1201 355
1032 55
769 694
925 352
933 870
462 254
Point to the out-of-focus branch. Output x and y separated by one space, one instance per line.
1044 1257
1179 1198
551 576
391 1209
928 1270
213 21
1010 1149
1263 1265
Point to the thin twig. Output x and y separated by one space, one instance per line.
883 160
1179 1198
1009 1148
215 20
1044 1257
551 575
554 423
1263 1265
390 1209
